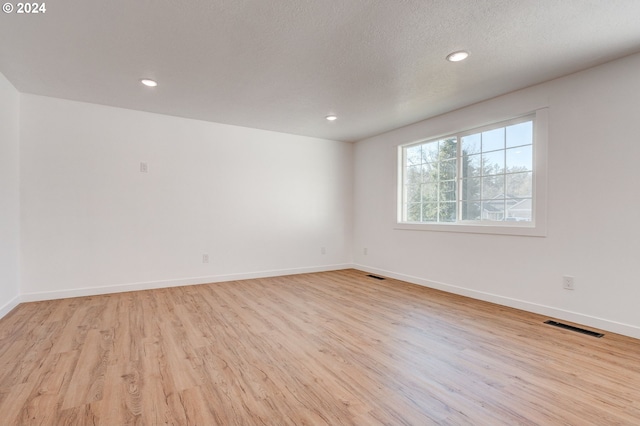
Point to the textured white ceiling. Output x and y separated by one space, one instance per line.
284 64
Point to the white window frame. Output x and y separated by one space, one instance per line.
537 227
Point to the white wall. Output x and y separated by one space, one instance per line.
593 230
258 203
9 197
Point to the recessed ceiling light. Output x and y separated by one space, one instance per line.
148 82
458 56
331 117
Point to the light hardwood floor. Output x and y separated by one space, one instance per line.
334 348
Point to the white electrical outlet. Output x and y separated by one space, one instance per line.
365 251
144 168
567 283
205 258
323 250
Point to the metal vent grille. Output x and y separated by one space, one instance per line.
572 328
375 276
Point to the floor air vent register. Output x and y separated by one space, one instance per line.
375 276
572 328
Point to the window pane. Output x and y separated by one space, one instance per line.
493 163
493 187
493 210
430 212
413 213
519 159
471 210
520 134
448 169
448 212
414 193
520 185
413 175
414 155
471 188
430 192
471 165
430 172
430 152
493 139
448 148
471 144
448 191
519 210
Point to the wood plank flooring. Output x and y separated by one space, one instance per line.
334 348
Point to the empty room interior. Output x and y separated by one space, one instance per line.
320 212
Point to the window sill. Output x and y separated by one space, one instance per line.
525 230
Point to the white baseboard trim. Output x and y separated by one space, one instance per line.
7 307
555 313
150 285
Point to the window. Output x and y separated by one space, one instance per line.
478 180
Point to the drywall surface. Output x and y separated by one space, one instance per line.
9 197
257 203
593 231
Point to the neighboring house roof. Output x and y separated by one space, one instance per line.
522 205
513 204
